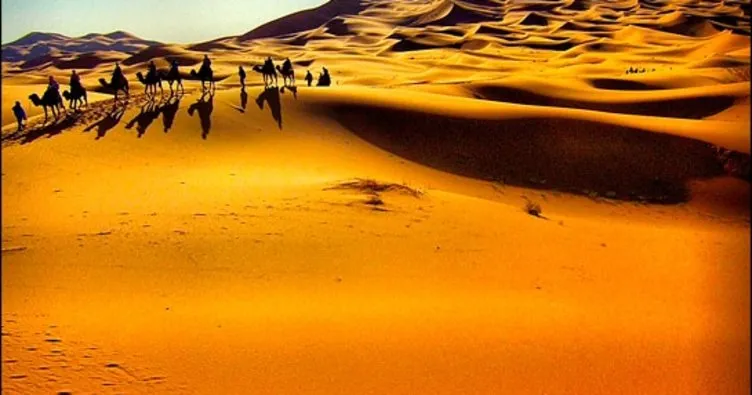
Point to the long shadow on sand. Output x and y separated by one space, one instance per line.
581 157
271 96
687 108
169 110
204 108
149 112
51 129
243 101
112 118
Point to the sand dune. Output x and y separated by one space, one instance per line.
376 236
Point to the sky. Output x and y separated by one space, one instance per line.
168 21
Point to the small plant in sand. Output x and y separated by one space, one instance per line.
533 208
374 200
374 187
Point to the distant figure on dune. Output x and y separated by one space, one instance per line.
309 77
20 114
287 72
324 78
241 73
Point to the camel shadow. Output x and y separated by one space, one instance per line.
204 109
169 110
149 112
293 89
108 122
271 96
49 130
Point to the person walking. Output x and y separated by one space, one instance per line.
20 114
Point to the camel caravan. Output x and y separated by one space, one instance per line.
77 98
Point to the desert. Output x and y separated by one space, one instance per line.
491 197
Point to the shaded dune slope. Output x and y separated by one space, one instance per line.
687 108
304 20
578 156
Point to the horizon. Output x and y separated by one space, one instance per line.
166 23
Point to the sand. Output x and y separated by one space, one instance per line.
371 237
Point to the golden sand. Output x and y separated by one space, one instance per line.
200 245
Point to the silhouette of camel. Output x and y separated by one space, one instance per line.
108 122
151 81
204 74
204 109
269 74
173 76
149 112
116 86
293 89
271 96
287 75
50 99
169 110
76 96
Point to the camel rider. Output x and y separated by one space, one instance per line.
174 69
117 75
287 65
54 87
75 81
268 64
206 65
152 70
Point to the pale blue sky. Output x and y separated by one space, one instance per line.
169 21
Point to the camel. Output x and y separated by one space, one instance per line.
151 81
76 96
268 74
173 76
50 99
287 74
121 85
204 74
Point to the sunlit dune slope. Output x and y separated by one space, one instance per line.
224 226
493 197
